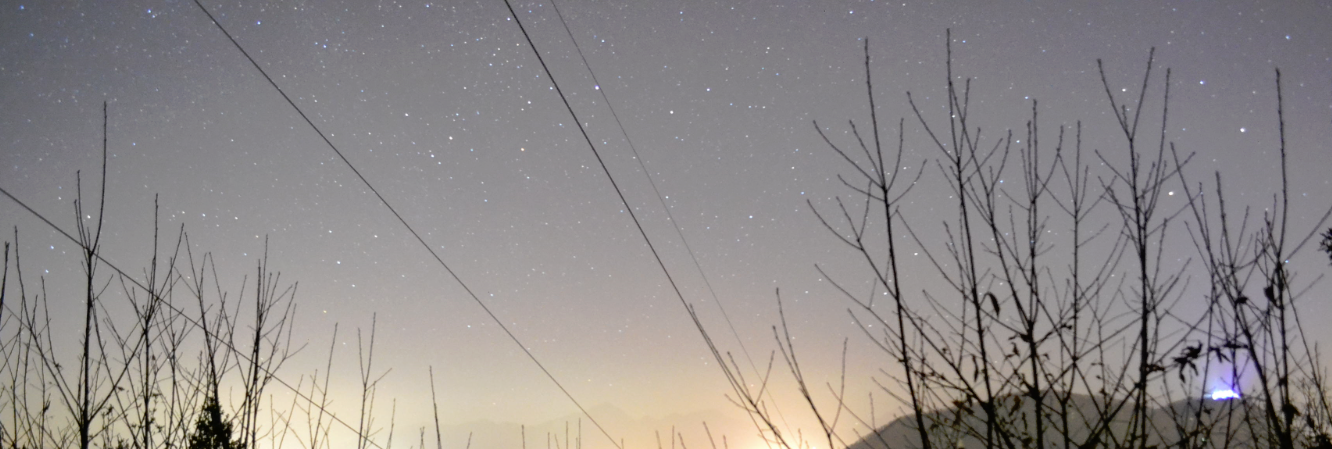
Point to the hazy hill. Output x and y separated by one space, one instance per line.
949 426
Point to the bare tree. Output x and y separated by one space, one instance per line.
1075 341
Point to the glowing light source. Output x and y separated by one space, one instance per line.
1223 394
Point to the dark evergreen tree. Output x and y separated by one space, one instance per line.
212 431
1326 245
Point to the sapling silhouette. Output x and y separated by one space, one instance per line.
1039 340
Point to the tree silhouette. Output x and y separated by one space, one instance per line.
1060 322
213 431
1326 245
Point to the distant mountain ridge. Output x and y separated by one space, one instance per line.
951 426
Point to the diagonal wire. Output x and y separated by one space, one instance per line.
422 241
669 217
660 199
693 315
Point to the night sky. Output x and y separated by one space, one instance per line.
444 108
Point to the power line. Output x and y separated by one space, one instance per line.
390 207
736 382
669 217
661 199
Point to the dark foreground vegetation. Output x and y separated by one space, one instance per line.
1076 338
1064 321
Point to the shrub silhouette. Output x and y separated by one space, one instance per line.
1059 322
213 430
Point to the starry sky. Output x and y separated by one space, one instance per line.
445 109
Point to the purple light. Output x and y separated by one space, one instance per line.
1224 394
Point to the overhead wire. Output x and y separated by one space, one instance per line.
735 381
435 255
418 237
661 199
